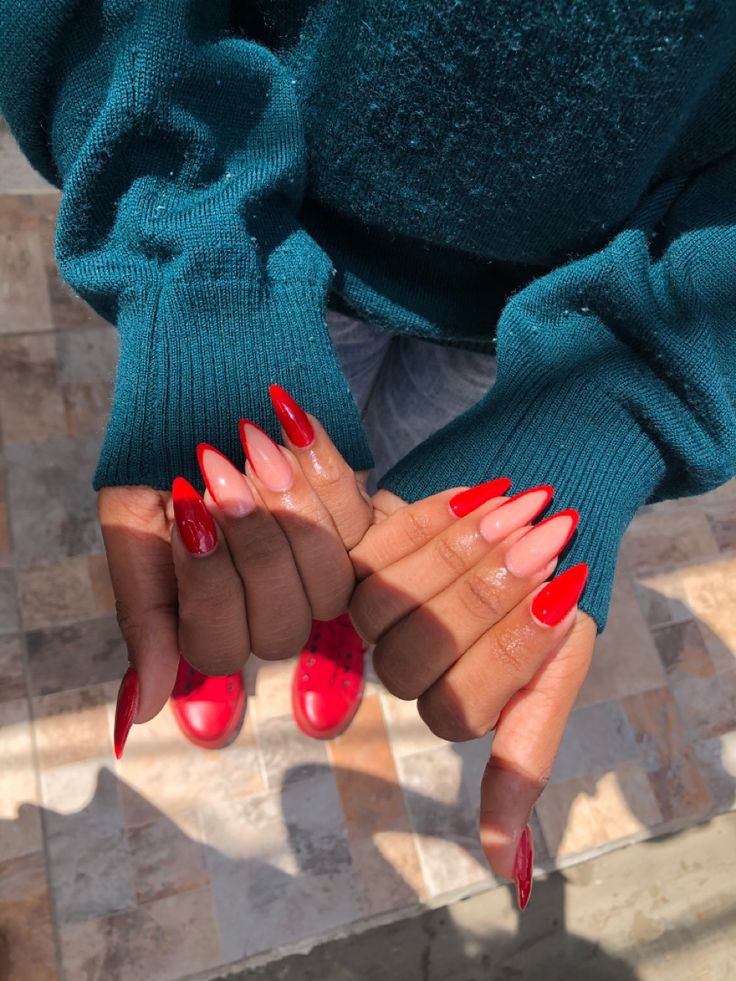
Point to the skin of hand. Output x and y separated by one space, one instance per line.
272 570
485 664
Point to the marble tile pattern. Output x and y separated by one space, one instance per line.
175 861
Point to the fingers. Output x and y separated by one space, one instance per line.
213 631
279 615
135 530
525 744
336 484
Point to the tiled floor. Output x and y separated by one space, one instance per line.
175 861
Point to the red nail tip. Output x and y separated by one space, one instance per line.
533 490
292 417
472 498
125 709
571 513
244 439
524 867
554 602
195 524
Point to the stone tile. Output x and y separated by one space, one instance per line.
377 823
52 505
16 174
20 821
17 211
24 304
407 732
723 527
56 593
8 603
31 403
286 753
89 862
707 705
99 574
167 939
71 726
86 362
667 537
682 649
272 687
25 919
166 859
4 523
585 813
12 682
597 738
280 858
625 658
711 593
717 761
662 598
667 755
75 656
444 820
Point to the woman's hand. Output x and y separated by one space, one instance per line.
243 569
464 621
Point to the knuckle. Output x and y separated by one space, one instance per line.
449 554
448 719
391 674
480 596
506 650
416 527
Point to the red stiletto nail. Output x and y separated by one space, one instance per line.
523 867
573 513
472 498
554 602
292 417
195 524
125 709
533 490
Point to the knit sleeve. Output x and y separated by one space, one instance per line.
180 152
616 378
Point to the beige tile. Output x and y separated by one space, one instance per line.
711 593
56 593
24 303
582 814
25 919
31 403
667 537
71 726
407 732
19 815
388 870
723 527
683 650
287 755
707 705
272 687
75 655
17 211
662 598
8 602
625 658
12 681
16 174
99 574
717 761
167 939
86 362
167 857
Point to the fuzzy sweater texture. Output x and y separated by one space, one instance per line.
548 179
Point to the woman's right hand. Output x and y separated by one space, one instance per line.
244 569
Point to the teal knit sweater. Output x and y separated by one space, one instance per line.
551 179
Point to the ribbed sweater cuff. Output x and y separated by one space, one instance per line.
194 359
570 435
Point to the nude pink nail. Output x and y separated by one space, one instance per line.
268 462
226 483
538 547
515 513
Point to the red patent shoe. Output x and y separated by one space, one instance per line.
327 684
209 711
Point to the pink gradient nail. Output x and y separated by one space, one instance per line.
226 483
268 462
538 547
515 513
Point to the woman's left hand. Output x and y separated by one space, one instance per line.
480 646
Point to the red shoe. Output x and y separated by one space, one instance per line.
327 684
209 711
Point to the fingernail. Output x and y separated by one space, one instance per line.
292 417
268 462
538 547
225 482
195 524
523 867
515 513
472 498
125 709
557 598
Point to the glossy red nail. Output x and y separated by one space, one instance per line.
523 867
292 417
125 709
472 498
195 524
557 598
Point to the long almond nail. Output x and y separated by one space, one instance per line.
524 867
515 513
268 462
544 542
552 603
195 524
293 418
226 483
125 709
472 498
